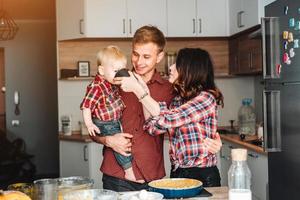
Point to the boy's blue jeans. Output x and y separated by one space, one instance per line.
111 128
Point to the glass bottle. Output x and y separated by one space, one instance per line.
246 118
239 176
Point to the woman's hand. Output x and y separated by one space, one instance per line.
213 145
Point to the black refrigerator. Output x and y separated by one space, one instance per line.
281 97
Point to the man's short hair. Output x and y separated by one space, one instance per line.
147 34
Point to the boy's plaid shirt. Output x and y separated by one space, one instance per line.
103 99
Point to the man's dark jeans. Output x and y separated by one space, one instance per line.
121 185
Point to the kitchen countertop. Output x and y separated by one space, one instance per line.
217 192
235 138
76 137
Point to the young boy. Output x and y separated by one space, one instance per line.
102 106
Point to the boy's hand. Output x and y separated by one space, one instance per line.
93 129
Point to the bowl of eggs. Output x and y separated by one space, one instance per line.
141 195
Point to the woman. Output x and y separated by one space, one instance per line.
191 119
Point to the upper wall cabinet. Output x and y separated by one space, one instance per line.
244 14
69 18
189 18
107 18
145 12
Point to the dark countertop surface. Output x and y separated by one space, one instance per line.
250 142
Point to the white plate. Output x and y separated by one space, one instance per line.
151 195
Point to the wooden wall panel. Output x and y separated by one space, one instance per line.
70 52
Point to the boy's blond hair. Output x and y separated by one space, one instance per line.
110 54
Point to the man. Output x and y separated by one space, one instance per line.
147 151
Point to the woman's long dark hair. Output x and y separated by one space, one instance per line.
195 74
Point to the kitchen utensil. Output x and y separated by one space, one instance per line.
91 194
45 189
26 188
122 73
149 196
170 60
66 122
73 183
176 187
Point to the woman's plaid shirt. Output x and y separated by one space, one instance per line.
188 124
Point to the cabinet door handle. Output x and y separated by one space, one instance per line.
84 153
251 60
231 147
200 26
194 26
123 26
239 19
80 26
270 27
236 62
272 120
130 27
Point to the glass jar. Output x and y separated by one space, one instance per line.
246 118
170 60
239 176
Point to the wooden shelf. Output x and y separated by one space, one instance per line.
75 78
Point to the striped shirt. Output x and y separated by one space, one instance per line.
188 124
103 99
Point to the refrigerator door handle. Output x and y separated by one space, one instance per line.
272 122
270 47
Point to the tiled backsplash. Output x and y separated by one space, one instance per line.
233 89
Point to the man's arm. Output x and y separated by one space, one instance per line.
120 142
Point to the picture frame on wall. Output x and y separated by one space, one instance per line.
83 68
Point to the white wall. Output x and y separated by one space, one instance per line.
70 94
234 90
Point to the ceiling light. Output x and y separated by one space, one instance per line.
8 27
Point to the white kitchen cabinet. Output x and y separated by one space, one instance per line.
188 18
257 163
107 18
81 159
244 14
167 157
225 161
212 17
69 19
145 12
